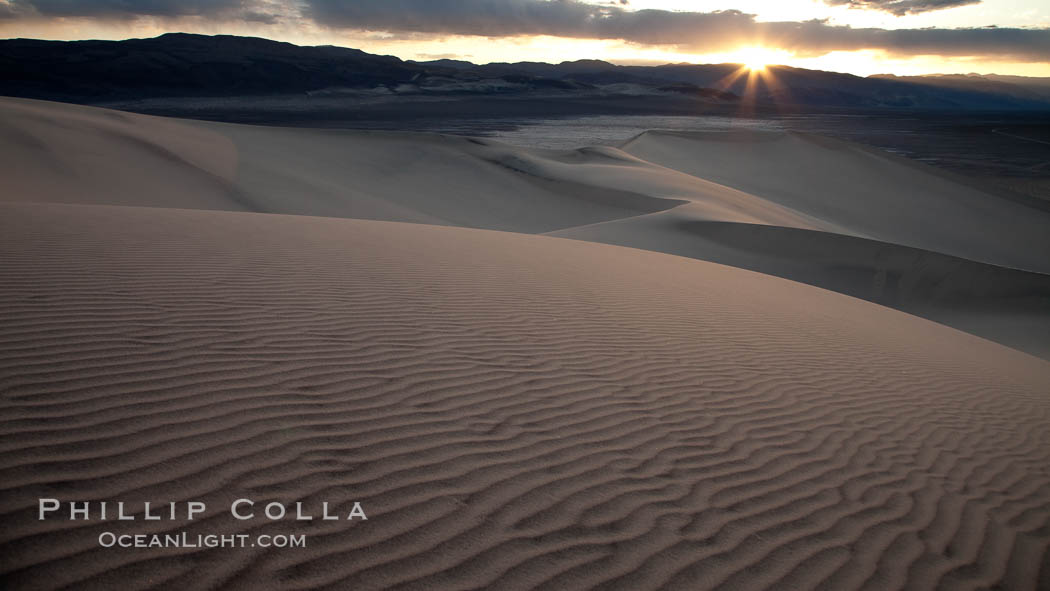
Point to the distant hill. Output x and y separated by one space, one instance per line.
447 63
1020 87
185 65
178 64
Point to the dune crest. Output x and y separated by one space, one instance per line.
1008 306
863 192
409 177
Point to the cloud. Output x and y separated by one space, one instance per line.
903 7
121 9
817 38
495 18
698 32
266 18
688 31
443 56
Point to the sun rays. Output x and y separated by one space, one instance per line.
756 59
755 80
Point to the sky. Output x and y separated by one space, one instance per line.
862 37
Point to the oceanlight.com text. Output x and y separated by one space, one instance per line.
187 540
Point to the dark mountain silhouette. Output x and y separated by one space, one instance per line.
447 63
1020 87
185 65
178 64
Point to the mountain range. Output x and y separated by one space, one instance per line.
187 65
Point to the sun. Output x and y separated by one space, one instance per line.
756 59
755 66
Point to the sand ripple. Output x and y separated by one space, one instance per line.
514 412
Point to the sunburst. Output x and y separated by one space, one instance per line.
756 59
755 80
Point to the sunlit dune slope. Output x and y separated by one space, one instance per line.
861 191
73 154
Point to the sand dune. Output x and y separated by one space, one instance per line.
514 412
74 154
865 193
809 209
70 154
1006 305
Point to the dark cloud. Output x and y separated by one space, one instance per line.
816 38
691 31
902 7
115 9
469 17
256 16
687 31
